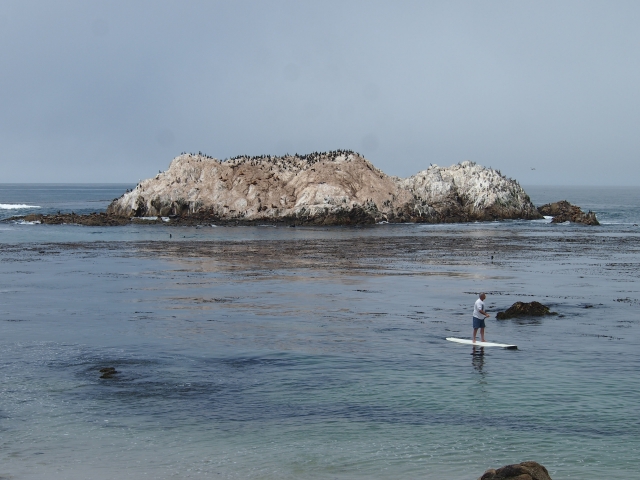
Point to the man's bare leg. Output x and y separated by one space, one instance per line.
475 331
481 335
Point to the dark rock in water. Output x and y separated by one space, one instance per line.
521 309
92 219
519 471
563 211
108 372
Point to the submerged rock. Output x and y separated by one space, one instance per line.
563 211
521 309
332 188
108 372
519 471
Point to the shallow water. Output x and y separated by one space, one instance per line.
315 353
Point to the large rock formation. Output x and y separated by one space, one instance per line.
519 471
339 187
563 211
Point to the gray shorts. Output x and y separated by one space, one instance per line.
478 322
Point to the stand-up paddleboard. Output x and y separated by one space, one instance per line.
481 344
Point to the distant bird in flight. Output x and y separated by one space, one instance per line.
533 169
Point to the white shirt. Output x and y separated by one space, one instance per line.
479 305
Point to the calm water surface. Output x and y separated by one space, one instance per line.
317 353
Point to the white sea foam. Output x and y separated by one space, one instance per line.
16 206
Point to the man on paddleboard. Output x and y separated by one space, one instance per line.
478 317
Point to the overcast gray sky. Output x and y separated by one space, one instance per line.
111 91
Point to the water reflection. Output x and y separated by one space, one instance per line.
528 321
477 359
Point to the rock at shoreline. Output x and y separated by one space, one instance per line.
92 219
334 188
519 471
563 211
521 309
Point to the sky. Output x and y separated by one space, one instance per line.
547 92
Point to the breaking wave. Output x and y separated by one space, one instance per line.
16 206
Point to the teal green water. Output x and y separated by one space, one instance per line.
317 353
245 371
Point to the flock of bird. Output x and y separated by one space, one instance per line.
310 158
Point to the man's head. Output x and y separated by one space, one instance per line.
483 296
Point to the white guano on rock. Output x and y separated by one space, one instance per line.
339 187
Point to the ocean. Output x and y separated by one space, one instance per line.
271 353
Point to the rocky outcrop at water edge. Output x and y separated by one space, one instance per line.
563 211
333 188
91 220
519 471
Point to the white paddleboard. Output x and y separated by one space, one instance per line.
481 344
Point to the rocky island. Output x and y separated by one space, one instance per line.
331 188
